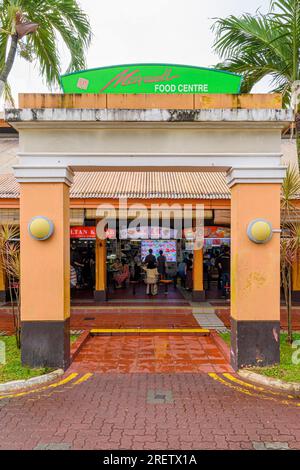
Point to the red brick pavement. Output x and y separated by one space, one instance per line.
164 353
87 318
113 411
120 317
224 315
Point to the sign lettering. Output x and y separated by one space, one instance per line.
151 79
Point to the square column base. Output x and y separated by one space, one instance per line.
254 343
46 343
2 296
100 295
198 296
296 295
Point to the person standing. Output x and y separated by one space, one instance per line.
181 273
73 277
189 272
224 269
151 278
150 258
161 264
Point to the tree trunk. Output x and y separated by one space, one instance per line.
9 62
297 125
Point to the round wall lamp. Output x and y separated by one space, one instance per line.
260 231
40 228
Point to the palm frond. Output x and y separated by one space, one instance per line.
8 97
262 45
58 20
290 188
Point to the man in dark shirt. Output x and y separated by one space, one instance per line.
224 269
150 258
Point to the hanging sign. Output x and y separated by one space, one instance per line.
152 79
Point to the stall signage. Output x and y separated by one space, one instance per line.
141 232
152 79
216 232
83 232
209 232
89 232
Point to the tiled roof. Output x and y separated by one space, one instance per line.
139 185
8 153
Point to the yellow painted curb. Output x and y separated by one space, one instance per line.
82 379
68 379
251 393
148 330
254 387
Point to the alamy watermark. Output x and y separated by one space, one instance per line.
139 221
296 354
2 353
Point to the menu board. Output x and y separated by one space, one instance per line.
167 246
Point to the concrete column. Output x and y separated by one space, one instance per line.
2 284
296 281
100 289
255 270
45 269
198 290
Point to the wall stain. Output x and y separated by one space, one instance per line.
255 279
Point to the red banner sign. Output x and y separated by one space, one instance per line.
82 232
89 232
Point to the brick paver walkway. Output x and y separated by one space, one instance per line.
165 353
148 411
224 315
171 391
110 317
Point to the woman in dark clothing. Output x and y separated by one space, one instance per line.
161 264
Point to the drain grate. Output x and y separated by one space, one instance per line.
270 445
159 397
53 446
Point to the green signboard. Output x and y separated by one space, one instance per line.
151 78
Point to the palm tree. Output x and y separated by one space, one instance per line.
290 238
33 29
261 45
10 260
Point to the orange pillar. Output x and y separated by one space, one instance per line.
296 280
255 274
45 274
100 288
198 290
2 284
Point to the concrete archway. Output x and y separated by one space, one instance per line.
245 142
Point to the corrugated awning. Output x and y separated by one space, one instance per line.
137 185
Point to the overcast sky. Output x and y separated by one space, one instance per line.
135 31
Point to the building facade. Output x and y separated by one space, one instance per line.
224 151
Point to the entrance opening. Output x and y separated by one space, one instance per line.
126 278
83 267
